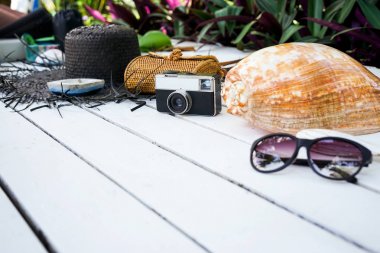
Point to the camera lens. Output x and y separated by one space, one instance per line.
179 102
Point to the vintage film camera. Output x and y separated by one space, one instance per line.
181 93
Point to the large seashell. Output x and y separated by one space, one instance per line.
296 86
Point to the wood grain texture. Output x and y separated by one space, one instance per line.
194 171
328 203
15 234
222 216
239 129
77 208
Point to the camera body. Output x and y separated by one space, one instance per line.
181 93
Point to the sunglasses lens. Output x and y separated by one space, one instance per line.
335 159
272 153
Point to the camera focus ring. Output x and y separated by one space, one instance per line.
179 102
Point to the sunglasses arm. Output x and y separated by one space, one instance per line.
350 179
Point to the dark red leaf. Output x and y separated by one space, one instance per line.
375 41
145 7
304 6
95 13
120 12
270 24
360 17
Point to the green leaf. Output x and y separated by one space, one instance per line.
314 10
287 20
267 5
250 4
344 31
201 14
158 15
371 12
58 5
179 28
119 21
331 11
264 35
244 32
203 32
308 39
220 3
281 4
102 3
229 25
154 40
49 6
325 40
292 7
267 36
289 32
346 10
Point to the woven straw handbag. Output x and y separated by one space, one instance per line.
140 72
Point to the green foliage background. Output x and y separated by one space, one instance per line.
352 26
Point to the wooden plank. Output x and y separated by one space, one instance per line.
239 128
224 217
224 123
15 234
77 208
328 203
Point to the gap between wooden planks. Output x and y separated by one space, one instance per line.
326 203
78 209
15 234
121 151
239 129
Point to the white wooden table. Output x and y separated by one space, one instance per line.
112 180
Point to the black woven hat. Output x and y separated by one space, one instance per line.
100 52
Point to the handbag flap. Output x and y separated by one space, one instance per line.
140 72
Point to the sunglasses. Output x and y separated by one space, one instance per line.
330 157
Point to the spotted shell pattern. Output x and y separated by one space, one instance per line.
295 86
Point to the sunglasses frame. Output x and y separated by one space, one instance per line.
366 154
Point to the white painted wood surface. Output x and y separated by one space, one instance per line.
15 235
220 215
112 180
239 129
76 207
322 201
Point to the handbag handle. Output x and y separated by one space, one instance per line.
176 55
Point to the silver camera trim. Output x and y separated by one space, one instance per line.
187 98
164 82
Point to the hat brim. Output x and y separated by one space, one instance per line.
32 89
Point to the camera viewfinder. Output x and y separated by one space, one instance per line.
205 84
